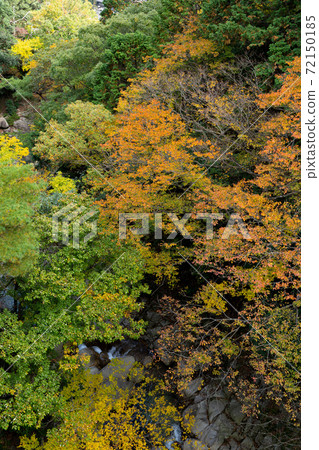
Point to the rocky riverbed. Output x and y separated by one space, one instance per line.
212 414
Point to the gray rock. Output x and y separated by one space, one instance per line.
267 442
147 361
235 411
201 418
22 124
87 357
189 415
223 427
117 372
216 434
259 438
219 394
209 392
211 438
94 370
234 445
238 435
3 123
118 368
194 444
248 426
247 444
215 408
192 387
196 416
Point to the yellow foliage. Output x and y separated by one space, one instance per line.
25 50
11 150
31 443
62 184
212 300
110 417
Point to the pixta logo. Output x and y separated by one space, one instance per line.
72 218
235 225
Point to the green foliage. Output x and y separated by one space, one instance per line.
11 110
6 36
19 190
77 142
62 19
70 295
11 107
79 68
135 17
113 6
124 58
14 16
269 28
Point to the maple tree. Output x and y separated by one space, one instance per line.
148 162
256 279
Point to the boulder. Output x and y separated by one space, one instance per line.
192 387
248 426
247 444
211 437
194 444
233 445
216 407
3 123
22 124
196 416
215 435
268 442
209 392
94 370
147 361
235 411
118 368
224 426
87 356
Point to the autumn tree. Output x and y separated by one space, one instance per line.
98 416
59 19
217 102
148 164
256 279
77 142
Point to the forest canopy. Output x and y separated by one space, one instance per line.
179 123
